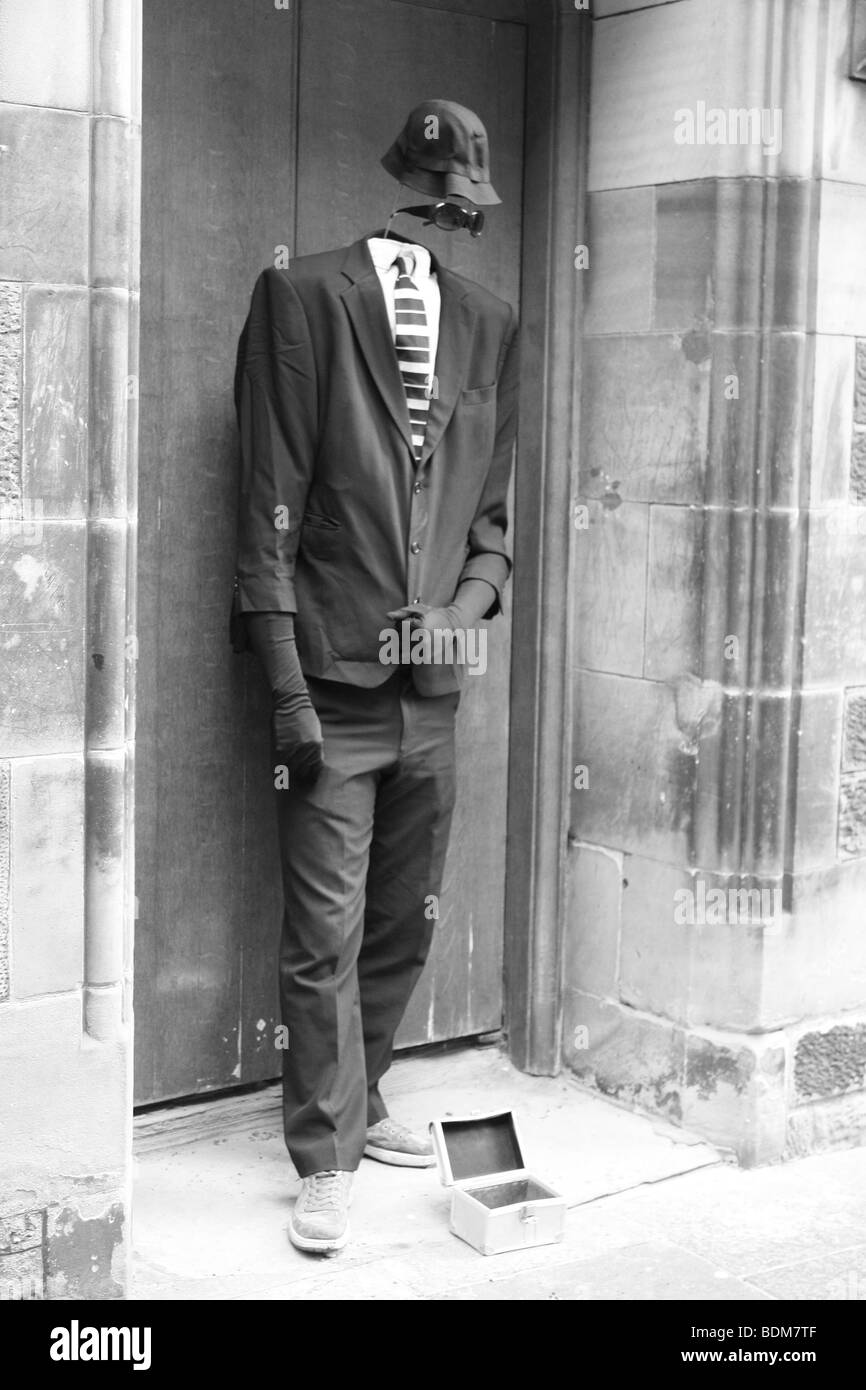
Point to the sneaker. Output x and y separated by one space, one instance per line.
320 1219
391 1142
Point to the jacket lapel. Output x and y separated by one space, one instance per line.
365 305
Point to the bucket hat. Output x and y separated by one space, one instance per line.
442 151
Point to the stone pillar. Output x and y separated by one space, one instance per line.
69 156
716 967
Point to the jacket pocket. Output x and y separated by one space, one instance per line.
479 395
324 523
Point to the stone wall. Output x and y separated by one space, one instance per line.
716 967
69 142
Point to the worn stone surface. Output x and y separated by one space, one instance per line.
858 467
646 402
42 600
83 1255
627 1056
854 746
838 1123
44 185
55 425
111 386
115 90
594 906
619 282
610 586
47 858
852 815
860 382
5 848
22 1278
830 1062
674 592
735 1092
640 767
10 399
45 53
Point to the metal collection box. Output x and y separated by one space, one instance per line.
496 1204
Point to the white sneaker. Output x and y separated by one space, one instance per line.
320 1219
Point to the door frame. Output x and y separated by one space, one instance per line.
555 199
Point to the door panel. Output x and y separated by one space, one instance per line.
224 82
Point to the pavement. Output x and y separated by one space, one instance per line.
653 1212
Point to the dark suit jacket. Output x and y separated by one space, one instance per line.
337 524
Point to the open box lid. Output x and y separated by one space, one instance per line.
477 1146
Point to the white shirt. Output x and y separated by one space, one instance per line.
384 251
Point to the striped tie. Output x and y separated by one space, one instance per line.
412 341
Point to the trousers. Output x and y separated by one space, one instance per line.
362 854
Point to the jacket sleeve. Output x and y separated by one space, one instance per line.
277 409
488 558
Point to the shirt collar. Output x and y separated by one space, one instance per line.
385 250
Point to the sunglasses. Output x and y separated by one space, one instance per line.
450 217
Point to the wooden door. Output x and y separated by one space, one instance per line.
263 127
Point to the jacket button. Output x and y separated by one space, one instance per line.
417 600
415 548
419 487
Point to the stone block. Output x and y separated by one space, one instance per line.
834 1124
593 906
45 53
651 64
112 390
830 1061
674 592
22 1277
841 300
857 481
57 330
620 278
727 957
47 874
833 388
60 1097
44 192
841 118
734 1093
817 774
610 586
852 815
601 9
10 399
685 253
116 91
640 768
654 952
113 170
860 382
5 848
646 406
818 968
42 599
834 631
854 747
625 1056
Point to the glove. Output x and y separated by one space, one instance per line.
295 725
